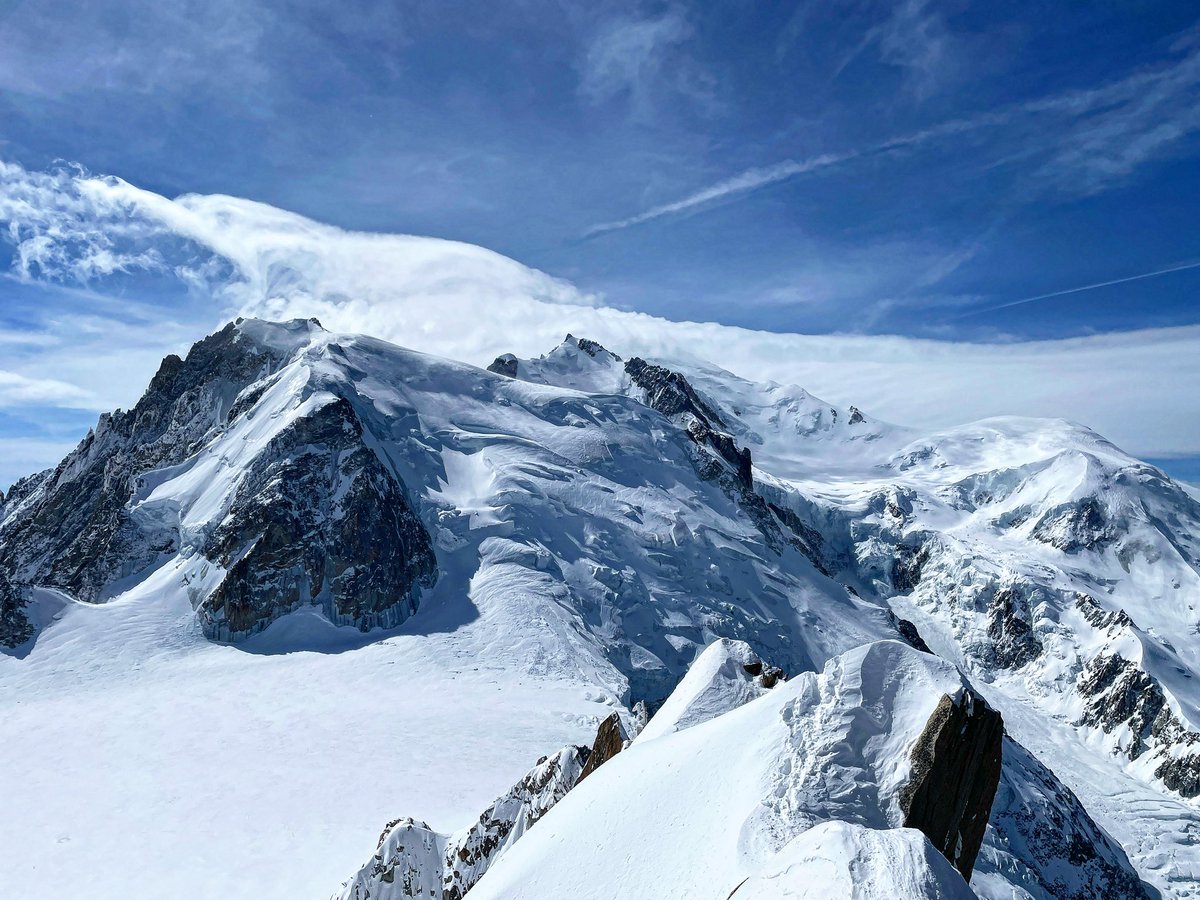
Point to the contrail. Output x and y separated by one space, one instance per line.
752 179
738 184
1071 103
1181 267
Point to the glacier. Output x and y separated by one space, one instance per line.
315 581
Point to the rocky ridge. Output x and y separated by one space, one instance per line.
413 861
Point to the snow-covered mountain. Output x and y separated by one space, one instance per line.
385 584
1061 573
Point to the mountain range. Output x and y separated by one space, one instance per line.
587 625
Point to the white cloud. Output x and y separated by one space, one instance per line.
1142 276
1141 389
742 183
20 390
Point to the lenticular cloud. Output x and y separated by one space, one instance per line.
240 257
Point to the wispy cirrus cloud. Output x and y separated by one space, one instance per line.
912 36
641 59
1075 142
55 47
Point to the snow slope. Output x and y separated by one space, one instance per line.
693 813
582 561
161 764
590 539
838 859
1033 553
726 675
797 792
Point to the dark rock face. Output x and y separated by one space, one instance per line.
446 867
594 349
1010 628
909 632
1182 773
671 394
907 565
610 740
1037 819
855 416
407 860
804 537
15 627
723 461
766 675
955 772
1075 526
1121 693
1100 618
318 519
70 527
505 365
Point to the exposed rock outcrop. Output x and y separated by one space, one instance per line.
1072 527
1122 696
909 632
71 528
1120 693
505 364
407 864
318 519
956 763
471 852
907 565
721 458
671 394
593 348
1010 627
1042 838
15 627
1182 773
1100 618
725 675
610 740
413 861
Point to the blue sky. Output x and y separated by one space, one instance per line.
913 169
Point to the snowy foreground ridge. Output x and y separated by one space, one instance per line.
586 626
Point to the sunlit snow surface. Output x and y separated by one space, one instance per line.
146 762
568 522
982 487
568 528
730 801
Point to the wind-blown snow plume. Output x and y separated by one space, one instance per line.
463 301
